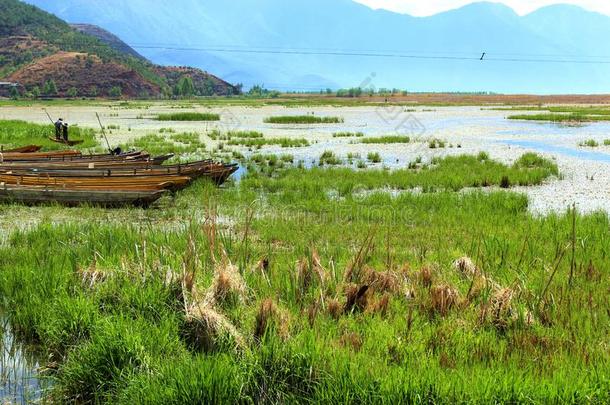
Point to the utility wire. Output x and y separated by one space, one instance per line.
375 55
403 51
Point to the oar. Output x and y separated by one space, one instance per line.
48 115
104 133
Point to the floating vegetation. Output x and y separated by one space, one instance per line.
436 144
329 158
386 139
303 119
259 143
348 135
591 143
373 157
256 140
188 116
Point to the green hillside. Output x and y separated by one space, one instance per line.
36 47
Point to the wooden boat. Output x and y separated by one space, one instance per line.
85 163
69 143
173 183
220 175
10 156
22 149
193 170
69 157
106 198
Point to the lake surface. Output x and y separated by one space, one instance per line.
19 370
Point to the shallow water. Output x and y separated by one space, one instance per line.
19 370
474 129
547 147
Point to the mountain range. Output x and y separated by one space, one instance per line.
293 45
41 55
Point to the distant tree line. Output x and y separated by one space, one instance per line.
359 92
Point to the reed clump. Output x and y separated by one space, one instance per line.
303 119
188 116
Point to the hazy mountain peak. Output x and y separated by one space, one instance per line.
344 26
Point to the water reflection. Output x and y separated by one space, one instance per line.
19 378
567 151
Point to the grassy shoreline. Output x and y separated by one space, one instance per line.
468 296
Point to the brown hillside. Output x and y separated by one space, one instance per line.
85 73
200 79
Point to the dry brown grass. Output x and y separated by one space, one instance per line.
443 298
228 286
265 318
352 272
335 308
426 276
304 275
92 275
351 340
466 267
383 281
380 305
205 328
317 268
357 298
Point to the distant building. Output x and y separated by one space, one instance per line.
6 87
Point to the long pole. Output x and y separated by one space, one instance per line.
103 132
48 115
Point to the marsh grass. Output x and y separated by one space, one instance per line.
329 158
373 157
446 174
20 133
436 144
256 140
390 139
562 117
303 119
178 144
376 297
348 135
188 116
259 143
591 143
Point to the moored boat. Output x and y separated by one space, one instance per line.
30 195
22 149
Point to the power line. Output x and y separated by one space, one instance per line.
488 58
392 51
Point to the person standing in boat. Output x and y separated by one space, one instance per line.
59 128
65 131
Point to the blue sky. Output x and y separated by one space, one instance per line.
429 7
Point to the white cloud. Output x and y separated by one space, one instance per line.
430 7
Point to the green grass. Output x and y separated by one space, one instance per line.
436 144
303 119
191 140
256 140
373 157
20 133
125 338
564 114
188 116
591 143
178 144
386 139
447 174
329 158
259 143
348 135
